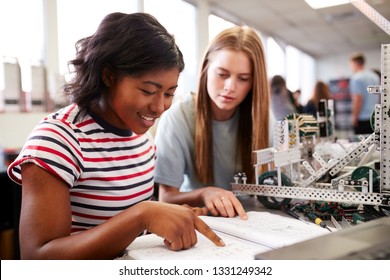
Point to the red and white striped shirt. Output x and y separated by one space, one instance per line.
107 169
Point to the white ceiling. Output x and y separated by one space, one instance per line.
324 32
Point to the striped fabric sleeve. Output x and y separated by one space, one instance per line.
53 147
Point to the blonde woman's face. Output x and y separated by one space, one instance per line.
229 79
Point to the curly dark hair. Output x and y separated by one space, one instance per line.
127 44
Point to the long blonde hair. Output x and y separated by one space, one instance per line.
253 127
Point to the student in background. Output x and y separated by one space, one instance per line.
296 95
321 91
87 170
282 101
363 103
205 139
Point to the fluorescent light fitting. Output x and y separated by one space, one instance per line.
319 4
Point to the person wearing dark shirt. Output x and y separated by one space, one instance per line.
321 91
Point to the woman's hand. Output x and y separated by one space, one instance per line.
199 211
221 202
177 225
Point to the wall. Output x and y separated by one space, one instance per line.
15 128
336 67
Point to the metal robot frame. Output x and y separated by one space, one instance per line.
342 188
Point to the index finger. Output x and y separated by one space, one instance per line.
199 211
239 209
204 229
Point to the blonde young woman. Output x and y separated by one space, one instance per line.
203 140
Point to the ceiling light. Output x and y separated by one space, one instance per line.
318 4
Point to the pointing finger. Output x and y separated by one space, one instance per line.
239 209
204 229
199 211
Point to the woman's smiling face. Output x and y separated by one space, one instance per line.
136 102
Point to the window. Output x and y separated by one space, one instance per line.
78 19
21 28
179 21
293 65
308 76
22 31
300 72
216 25
276 59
